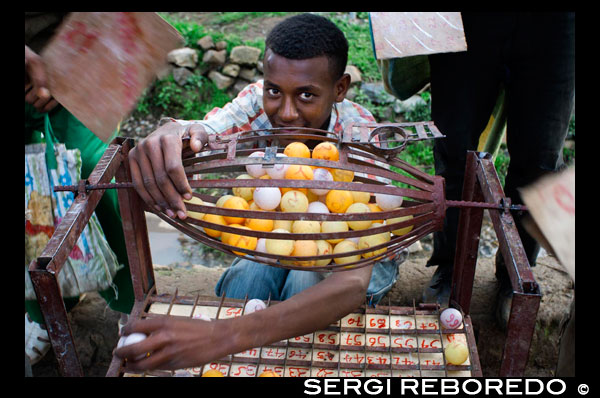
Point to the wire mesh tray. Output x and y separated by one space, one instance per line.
381 341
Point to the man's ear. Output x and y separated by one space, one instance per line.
341 87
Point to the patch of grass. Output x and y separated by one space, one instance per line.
191 101
501 163
230 17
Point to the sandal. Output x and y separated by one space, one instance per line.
37 342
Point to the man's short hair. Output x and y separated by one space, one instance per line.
307 36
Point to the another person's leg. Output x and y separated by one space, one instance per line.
540 99
464 90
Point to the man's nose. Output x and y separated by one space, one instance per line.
288 111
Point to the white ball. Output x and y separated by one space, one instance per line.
201 317
254 305
321 175
256 170
354 239
388 202
132 338
318 207
451 318
262 248
267 198
277 172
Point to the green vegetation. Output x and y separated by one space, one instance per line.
192 101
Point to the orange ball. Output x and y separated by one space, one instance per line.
305 248
259 224
326 151
297 150
226 235
212 373
215 219
338 201
238 203
299 172
242 241
375 208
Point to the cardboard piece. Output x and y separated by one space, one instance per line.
99 63
404 34
551 204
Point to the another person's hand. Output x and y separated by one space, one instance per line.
157 169
36 84
175 343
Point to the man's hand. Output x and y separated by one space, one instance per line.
36 85
175 343
157 169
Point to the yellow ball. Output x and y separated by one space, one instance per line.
360 196
368 241
285 190
236 203
323 248
194 214
244 192
215 219
385 235
281 247
294 201
456 353
342 175
297 150
283 224
305 248
400 231
345 246
306 227
326 151
334 226
338 201
359 207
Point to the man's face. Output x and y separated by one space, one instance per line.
300 93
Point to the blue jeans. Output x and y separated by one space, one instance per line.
257 280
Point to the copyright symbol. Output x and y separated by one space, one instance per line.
583 389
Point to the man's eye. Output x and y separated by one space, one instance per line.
272 91
306 96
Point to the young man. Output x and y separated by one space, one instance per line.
304 86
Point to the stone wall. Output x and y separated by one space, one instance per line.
230 71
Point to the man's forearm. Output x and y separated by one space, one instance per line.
310 310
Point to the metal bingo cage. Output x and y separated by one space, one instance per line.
372 341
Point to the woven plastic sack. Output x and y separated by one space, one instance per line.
92 264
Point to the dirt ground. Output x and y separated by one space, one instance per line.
94 325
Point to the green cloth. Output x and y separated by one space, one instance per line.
70 131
